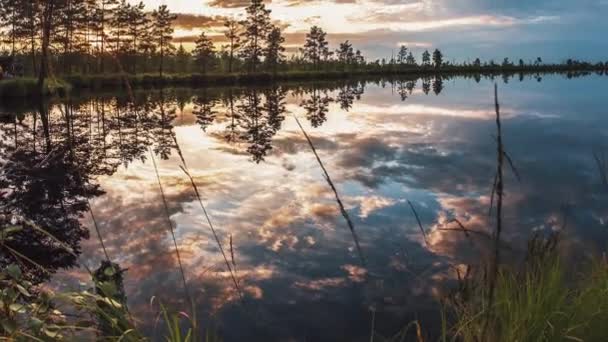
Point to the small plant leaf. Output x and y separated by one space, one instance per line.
14 271
18 308
23 291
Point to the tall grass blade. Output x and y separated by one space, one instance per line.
213 231
351 226
493 274
426 241
171 229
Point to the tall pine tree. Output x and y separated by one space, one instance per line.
162 34
257 26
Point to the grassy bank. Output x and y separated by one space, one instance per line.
27 86
545 301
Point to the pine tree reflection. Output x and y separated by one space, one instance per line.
261 121
348 94
317 106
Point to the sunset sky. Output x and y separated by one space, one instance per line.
463 29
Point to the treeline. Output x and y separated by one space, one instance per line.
91 37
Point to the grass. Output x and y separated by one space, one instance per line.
31 313
538 304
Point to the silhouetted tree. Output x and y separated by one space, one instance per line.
162 33
182 58
426 58
410 60
437 58
316 46
104 14
137 27
233 34
204 52
257 27
402 55
345 53
274 51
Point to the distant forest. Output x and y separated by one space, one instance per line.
41 38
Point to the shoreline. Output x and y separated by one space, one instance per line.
62 86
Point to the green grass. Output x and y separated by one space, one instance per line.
32 313
541 303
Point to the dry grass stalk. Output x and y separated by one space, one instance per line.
184 168
426 241
171 229
351 226
493 272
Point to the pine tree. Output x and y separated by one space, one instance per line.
315 48
9 18
410 60
233 34
257 27
28 29
402 55
437 58
359 59
119 28
426 58
345 53
162 33
104 17
137 26
182 58
204 52
274 50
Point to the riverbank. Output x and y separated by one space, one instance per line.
27 87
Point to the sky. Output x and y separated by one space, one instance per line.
463 29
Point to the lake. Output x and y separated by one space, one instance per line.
294 258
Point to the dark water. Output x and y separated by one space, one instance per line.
430 142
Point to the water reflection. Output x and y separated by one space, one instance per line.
383 142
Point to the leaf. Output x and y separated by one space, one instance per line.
110 272
18 308
9 326
107 288
5 235
50 333
23 291
36 323
14 271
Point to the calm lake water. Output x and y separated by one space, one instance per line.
430 142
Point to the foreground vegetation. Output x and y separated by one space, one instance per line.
539 302
543 301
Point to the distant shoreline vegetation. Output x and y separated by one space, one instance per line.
28 87
51 47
